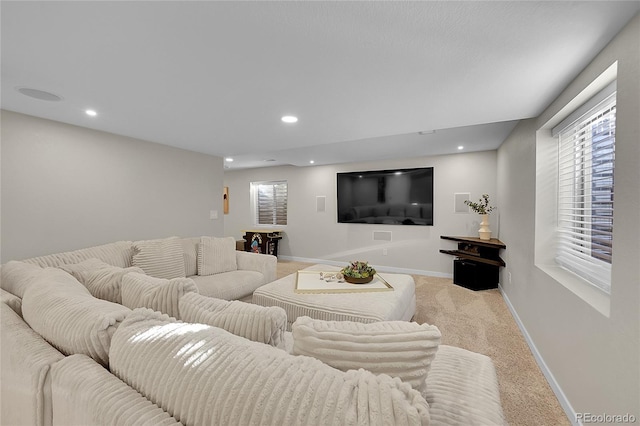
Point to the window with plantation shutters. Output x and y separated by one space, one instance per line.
586 160
270 202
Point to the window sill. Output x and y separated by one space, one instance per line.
595 297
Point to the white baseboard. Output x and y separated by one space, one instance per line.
390 269
555 387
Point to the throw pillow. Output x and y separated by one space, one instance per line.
143 291
65 314
216 255
160 258
258 323
105 283
396 348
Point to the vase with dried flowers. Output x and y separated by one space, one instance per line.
483 208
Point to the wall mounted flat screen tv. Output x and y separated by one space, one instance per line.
392 197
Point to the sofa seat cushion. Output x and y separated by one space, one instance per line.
63 311
218 378
258 323
143 291
26 360
85 393
16 276
163 258
460 375
398 348
229 285
216 255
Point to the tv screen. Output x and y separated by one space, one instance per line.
393 197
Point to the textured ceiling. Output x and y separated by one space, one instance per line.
363 77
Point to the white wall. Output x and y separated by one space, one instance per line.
318 236
594 359
66 187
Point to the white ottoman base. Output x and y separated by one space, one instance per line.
399 304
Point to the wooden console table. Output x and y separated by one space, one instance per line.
477 263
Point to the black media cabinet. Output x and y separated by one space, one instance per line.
477 263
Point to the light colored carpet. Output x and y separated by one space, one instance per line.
481 322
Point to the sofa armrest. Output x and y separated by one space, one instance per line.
462 389
24 372
266 264
85 393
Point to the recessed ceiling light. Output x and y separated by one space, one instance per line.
39 94
91 113
461 147
289 119
229 159
311 161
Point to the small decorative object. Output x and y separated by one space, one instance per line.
358 272
483 208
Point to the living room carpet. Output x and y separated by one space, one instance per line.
481 322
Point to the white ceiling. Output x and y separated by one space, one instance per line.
363 77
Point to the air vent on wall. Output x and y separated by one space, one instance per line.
382 235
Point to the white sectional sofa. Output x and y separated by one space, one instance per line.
70 358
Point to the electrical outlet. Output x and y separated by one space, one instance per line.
213 214
509 277
384 251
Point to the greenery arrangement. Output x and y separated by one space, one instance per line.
358 269
482 206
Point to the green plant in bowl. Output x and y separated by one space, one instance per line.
358 272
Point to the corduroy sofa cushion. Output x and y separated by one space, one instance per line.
16 276
397 348
258 323
216 255
143 291
163 258
63 312
204 375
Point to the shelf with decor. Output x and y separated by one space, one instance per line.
477 263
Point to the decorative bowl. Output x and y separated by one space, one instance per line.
353 280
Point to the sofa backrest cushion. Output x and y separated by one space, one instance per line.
86 265
398 348
116 254
12 301
190 252
106 283
204 375
163 258
216 255
63 312
143 291
264 324
16 276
